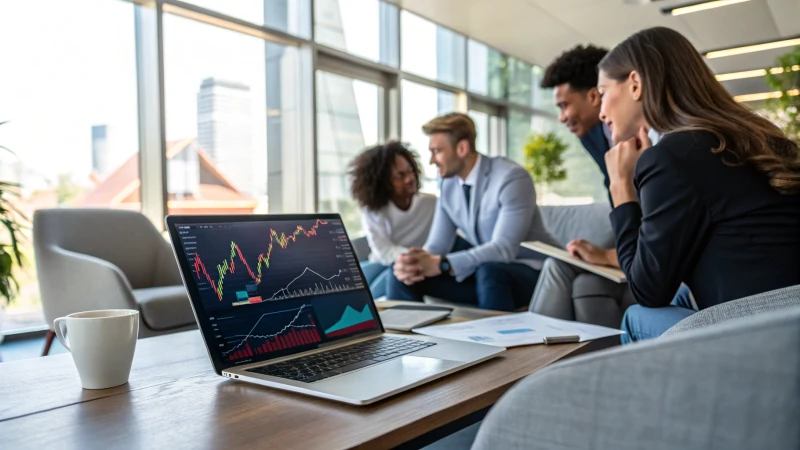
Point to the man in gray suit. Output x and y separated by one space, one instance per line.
492 203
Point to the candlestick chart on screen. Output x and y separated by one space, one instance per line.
271 262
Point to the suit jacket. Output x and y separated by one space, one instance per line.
502 214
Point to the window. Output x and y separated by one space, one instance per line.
431 51
520 82
347 123
365 28
71 109
218 108
481 120
289 16
419 105
542 98
584 183
487 70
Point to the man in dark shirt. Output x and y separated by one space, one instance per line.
573 78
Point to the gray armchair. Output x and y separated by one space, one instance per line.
730 384
595 299
104 259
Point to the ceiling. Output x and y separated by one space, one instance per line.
539 30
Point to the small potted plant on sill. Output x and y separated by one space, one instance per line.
544 160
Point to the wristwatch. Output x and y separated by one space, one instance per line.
444 265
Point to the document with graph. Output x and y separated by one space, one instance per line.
271 288
612 273
513 330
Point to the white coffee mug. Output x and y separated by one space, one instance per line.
102 344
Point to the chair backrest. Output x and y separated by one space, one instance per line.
124 238
588 222
733 386
738 309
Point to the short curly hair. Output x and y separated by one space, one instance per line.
578 67
371 174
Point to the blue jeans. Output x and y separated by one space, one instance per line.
376 275
641 323
498 286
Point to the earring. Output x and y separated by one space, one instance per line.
636 96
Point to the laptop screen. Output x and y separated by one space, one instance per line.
272 288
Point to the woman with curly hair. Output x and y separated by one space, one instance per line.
395 215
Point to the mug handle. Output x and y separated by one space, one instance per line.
59 325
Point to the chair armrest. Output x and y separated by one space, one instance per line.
71 282
738 309
728 386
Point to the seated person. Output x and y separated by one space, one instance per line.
715 204
492 202
395 215
573 78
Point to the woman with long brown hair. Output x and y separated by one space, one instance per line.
715 204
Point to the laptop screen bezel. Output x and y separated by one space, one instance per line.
174 221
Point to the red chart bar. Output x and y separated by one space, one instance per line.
289 341
281 345
249 352
303 337
308 336
296 338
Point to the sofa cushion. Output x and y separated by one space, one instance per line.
164 308
588 222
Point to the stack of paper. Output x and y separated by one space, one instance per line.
514 330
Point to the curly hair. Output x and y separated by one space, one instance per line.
578 67
371 174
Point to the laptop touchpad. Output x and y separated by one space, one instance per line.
417 367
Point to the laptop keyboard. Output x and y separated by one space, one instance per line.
309 369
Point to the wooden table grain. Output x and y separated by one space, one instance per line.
175 400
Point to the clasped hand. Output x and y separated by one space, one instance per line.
416 265
621 164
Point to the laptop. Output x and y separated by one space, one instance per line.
281 301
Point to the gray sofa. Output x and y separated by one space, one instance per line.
720 379
595 299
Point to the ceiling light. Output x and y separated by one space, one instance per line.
696 7
752 73
752 48
764 96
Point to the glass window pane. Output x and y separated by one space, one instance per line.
347 123
542 98
215 119
487 70
481 120
71 111
520 82
365 28
431 51
584 183
420 104
289 16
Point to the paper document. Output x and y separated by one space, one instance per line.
612 273
513 330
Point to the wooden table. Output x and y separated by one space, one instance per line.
175 400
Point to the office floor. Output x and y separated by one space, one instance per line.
15 350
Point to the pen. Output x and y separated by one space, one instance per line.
561 339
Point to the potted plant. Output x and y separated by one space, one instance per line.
12 221
785 78
544 159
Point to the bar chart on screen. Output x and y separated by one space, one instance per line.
271 332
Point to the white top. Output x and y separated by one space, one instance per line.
472 178
391 231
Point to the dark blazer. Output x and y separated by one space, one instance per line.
721 229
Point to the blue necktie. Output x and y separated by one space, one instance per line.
466 189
